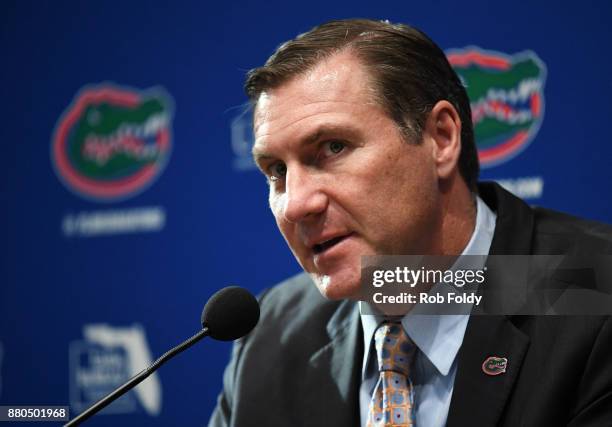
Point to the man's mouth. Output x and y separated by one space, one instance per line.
323 246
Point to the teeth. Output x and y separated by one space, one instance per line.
511 106
101 149
145 130
155 123
520 94
520 117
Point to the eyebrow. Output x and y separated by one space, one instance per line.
309 139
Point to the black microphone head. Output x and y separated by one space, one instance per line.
230 313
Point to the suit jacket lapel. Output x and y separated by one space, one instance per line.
478 397
334 372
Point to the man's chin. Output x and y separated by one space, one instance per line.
334 289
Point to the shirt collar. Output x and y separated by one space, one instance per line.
439 337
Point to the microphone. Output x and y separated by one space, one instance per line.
229 314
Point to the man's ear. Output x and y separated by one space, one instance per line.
443 127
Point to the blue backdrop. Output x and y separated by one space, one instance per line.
106 265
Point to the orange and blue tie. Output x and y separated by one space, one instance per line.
392 401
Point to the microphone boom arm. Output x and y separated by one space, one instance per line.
136 379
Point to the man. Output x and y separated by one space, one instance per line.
364 133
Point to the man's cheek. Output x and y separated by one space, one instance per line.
277 205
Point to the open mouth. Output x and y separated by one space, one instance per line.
322 247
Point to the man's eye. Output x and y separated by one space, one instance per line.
335 147
278 170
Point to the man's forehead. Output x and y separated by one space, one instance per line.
338 84
339 78
262 113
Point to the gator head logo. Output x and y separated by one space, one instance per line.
112 142
494 365
507 99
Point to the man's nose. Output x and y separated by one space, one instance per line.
304 195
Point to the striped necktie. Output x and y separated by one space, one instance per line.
392 400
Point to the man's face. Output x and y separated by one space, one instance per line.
343 182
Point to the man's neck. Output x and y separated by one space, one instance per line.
458 219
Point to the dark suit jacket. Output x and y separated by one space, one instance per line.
301 365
